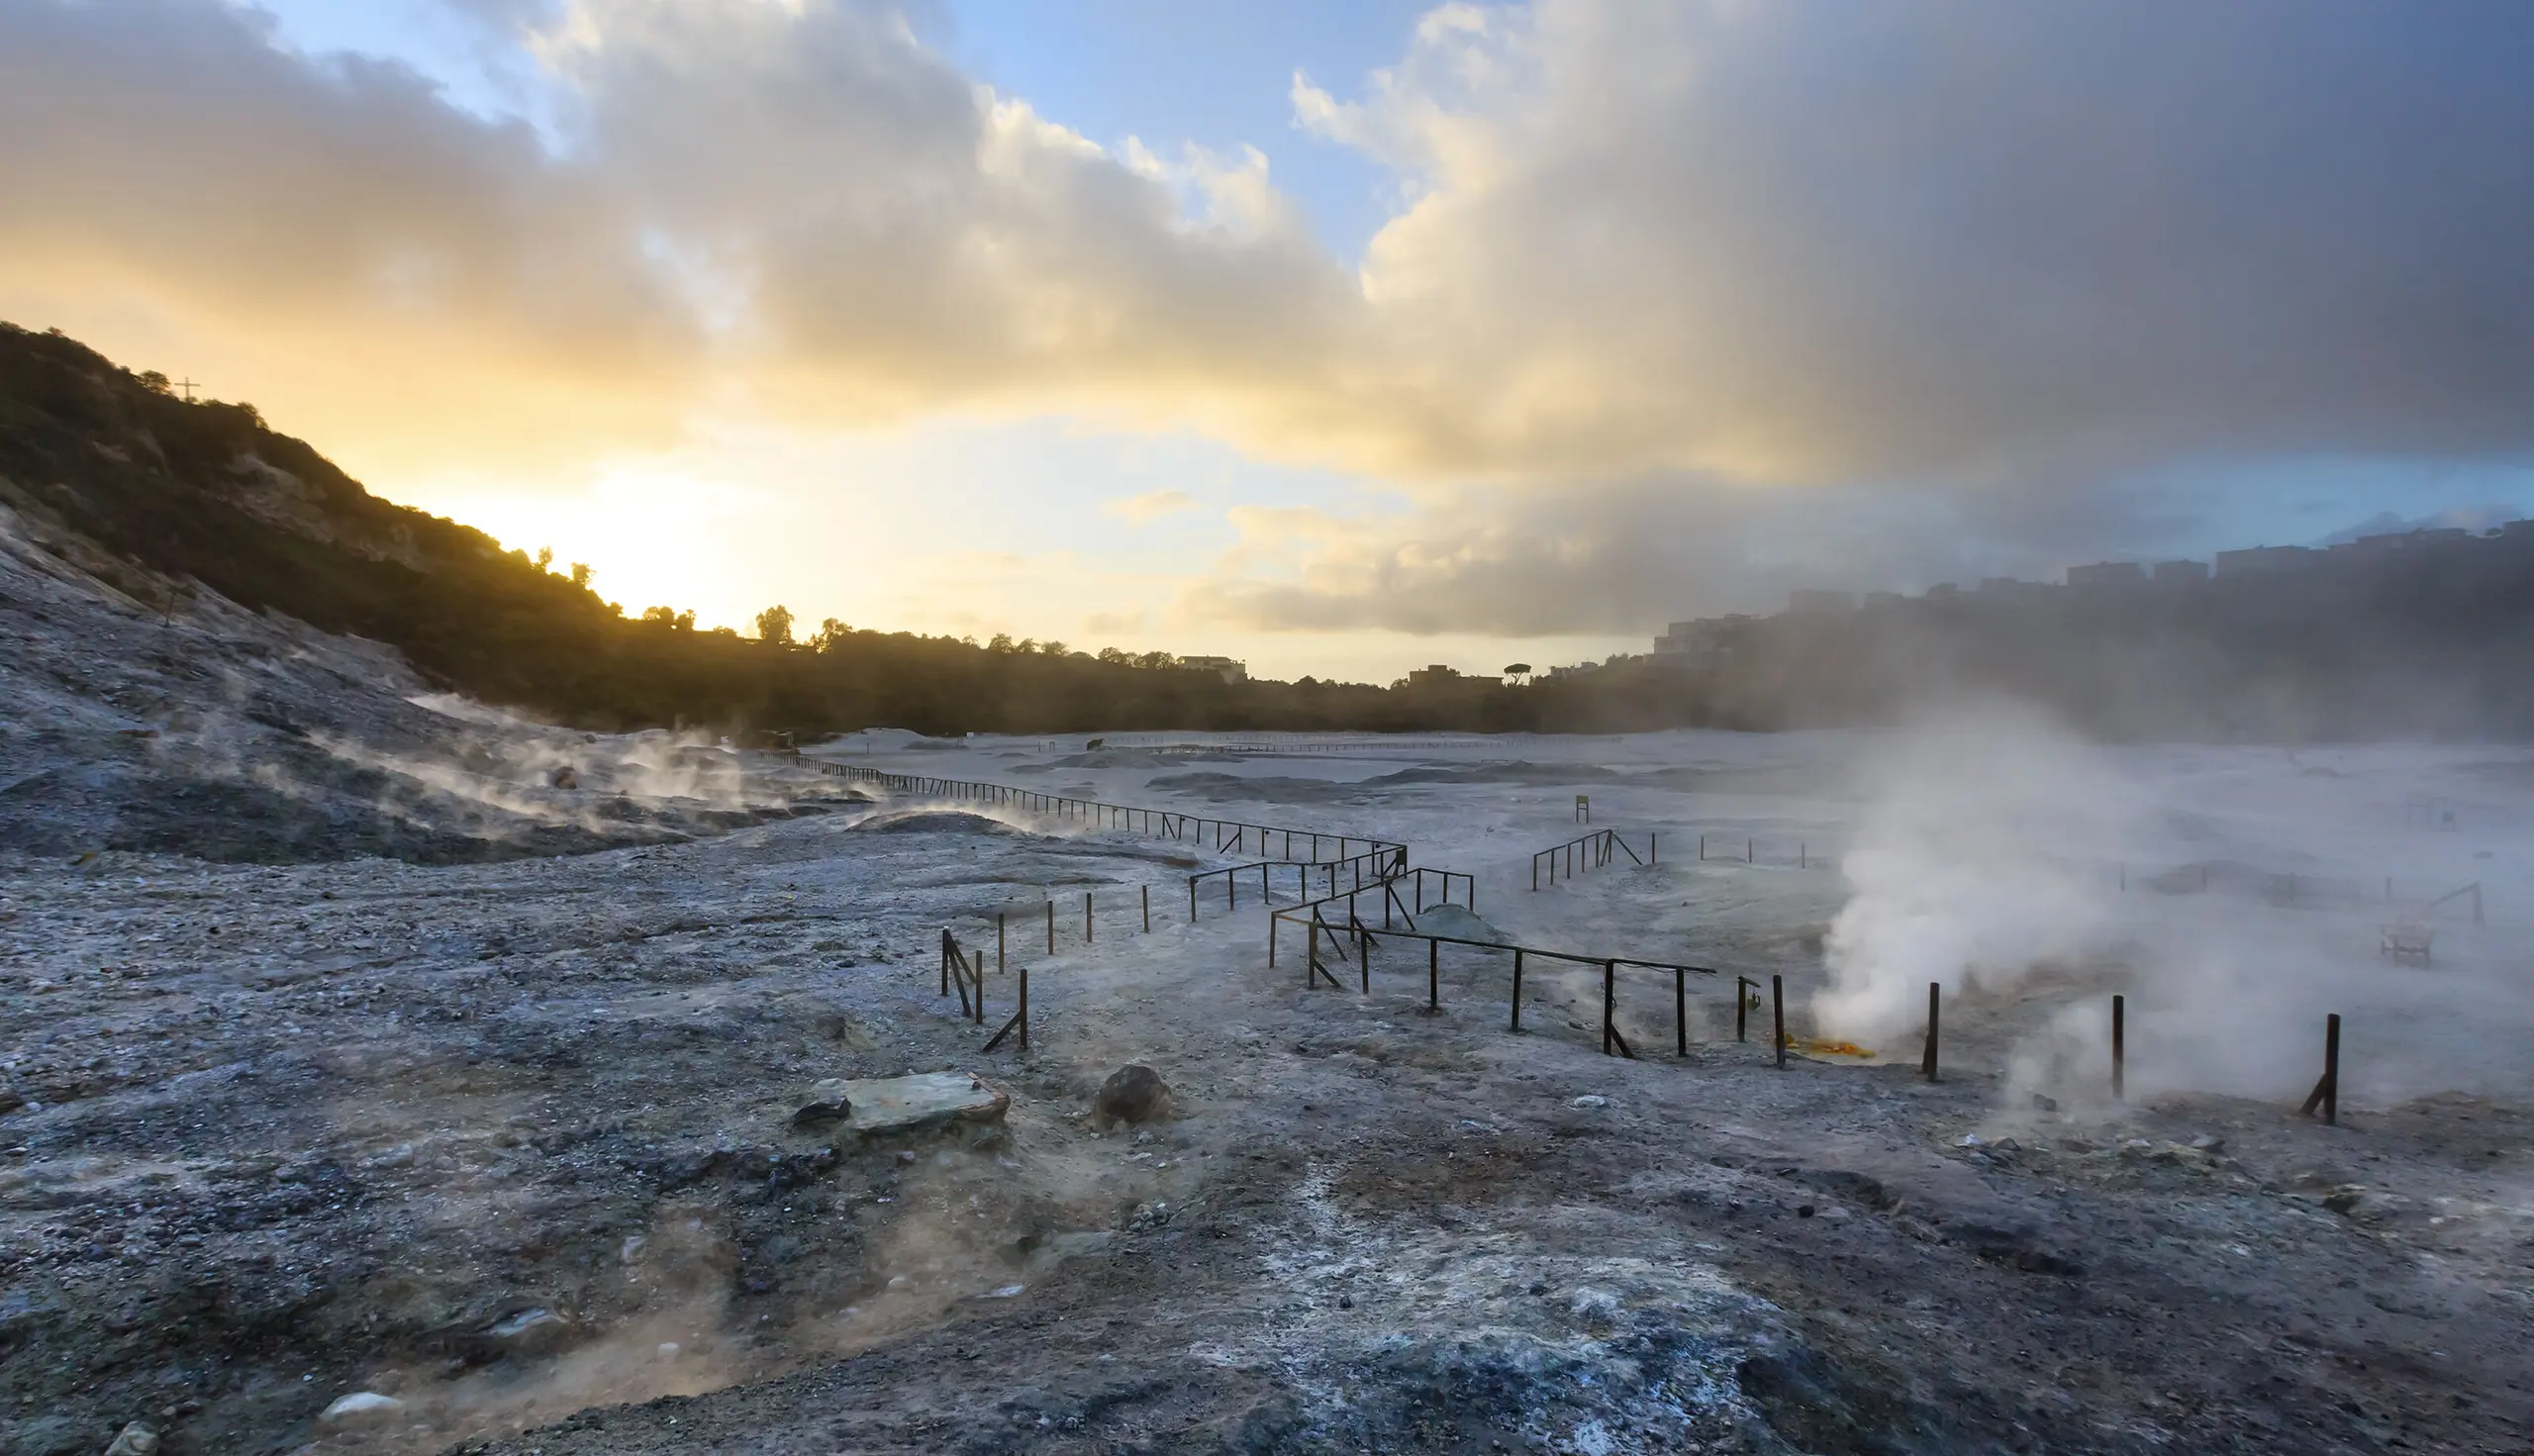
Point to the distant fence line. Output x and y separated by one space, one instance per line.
1229 835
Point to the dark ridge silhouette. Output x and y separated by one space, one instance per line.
2418 647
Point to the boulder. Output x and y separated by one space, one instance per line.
139 1438
1134 1093
881 1105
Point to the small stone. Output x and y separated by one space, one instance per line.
1345 1301
1834 1215
1132 1093
2042 1104
630 1249
531 1327
1006 1292
1803 1211
139 1438
360 1406
1149 1216
828 1101
1590 1100
2208 1143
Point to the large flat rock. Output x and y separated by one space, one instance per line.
877 1105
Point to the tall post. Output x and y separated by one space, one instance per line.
1927 1059
998 942
1052 924
1650 856
1086 917
1681 1009
1433 975
1741 1008
2119 1047
1024 1007
1777 1003
1609 1001
1192 900
1516 1024
1147 910
2326 1093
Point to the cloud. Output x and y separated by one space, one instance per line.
1506 562
1711 243
1922 241
1151 506
1113 623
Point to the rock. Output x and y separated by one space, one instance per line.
360 1408
880 1105
1590 1100
527 1327
828 1101
1132 1093
2041 1103
139 1438
1149 1216
1079 1244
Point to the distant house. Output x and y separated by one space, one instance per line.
2259 560
2108 574
1820 604
1433 676
1230 669
2169 572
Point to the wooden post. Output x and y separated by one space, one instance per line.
1516 1024
1750 851
1776 1001
1052 924
1702 848
1609 1001
1192 900
2326 1093
1086 917
1433 975
998 942
1149 912
1936 1024
1024 1007
2119 1047
1741 1006
1681 1009
1650 856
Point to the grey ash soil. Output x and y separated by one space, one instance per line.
281 1133
321 1073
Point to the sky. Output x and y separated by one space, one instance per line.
1343 338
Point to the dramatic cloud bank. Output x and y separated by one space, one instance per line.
1766 241
1645 259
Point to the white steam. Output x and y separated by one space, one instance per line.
1986 853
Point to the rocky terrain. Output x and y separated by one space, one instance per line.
383 1074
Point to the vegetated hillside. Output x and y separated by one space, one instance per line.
2435 644
205 491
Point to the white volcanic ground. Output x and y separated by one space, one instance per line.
506 1142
